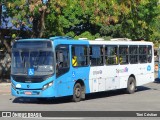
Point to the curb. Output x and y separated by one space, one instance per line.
5 84
5 88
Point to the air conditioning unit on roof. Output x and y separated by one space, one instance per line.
99 39
82 39
120 39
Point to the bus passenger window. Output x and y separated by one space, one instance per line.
133 54
111 56
123 54
79 56
96 55
149 57
143 54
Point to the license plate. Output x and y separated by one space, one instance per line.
28 93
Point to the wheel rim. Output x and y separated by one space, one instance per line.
132 86
77 92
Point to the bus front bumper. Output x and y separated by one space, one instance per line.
47 93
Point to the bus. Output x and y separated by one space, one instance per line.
61 66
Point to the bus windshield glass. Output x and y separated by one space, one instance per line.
40 61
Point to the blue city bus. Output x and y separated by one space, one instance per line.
61 66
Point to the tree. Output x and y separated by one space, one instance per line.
115 18
137 23
4 44
0 12
28 15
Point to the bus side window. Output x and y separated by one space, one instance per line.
143 54
59 59
62 59
111 56
123 54
79 56
133 54
149 57
96 55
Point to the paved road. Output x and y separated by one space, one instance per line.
147 98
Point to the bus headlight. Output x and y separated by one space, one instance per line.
50 84
47 85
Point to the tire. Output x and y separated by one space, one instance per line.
83 95
131 85
77 92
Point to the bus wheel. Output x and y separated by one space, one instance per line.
77 92
131 85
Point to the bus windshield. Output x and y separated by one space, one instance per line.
40 61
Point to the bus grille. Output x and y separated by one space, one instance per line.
26 79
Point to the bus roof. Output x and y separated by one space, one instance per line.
33 39
121 42
69 40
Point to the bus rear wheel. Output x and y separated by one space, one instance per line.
131 85
77 92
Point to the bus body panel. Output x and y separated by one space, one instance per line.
103 78
65 83
109 77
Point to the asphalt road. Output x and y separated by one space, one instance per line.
146 98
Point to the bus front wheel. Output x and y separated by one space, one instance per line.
131 85
77 92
